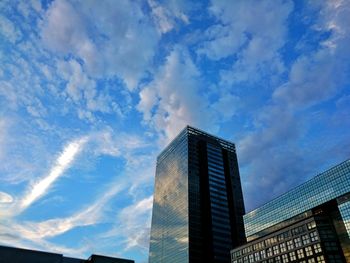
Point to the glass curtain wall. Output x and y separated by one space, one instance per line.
169 234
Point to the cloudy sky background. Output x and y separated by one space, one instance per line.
91 91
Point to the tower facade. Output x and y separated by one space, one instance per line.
198 204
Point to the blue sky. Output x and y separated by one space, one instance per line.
91 91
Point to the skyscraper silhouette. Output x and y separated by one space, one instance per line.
198 204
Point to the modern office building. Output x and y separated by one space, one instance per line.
198 204
308 224
20 255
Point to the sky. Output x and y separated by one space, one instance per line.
92 91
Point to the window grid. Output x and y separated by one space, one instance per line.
324 187
291 249
345 213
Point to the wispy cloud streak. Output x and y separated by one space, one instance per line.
63 162
89 215
9 235
133 225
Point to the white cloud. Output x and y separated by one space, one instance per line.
83 92
167 14
221 43
5 198
136 217
3 137
137 152
227 105
20 86
275 150
104 35
63 30
28 7
63 162
174 98
10 236
133 224
161 17
36 5
102 142
23 154
9 31
34 235
148 99
251 31
106 144
311 80
109 141
90 215
7 92
77 80
270 130
320 75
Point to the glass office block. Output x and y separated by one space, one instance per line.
198 203
324 187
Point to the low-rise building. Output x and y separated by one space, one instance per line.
310 223
20 255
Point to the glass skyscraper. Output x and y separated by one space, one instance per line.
198 204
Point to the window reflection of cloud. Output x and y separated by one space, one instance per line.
169 235
345 213
320 189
